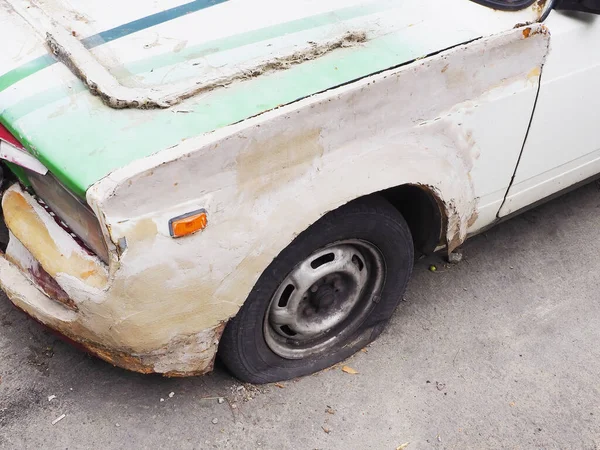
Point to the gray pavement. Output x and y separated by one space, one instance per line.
500 351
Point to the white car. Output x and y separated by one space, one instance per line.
183 177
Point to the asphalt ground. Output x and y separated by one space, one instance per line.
500 351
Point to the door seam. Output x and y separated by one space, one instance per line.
537 94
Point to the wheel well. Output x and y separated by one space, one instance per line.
422 213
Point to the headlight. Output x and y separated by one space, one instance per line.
70 212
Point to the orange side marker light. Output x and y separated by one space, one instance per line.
188 223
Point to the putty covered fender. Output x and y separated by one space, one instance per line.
265 180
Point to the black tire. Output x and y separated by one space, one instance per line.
243 348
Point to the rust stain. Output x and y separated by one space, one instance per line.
86 275
529 32
117 358
45 282
29 229
131 334
454 235
457 239
143 230
472 219
539 6
455 242
445 68
272 163
534 74
144 363
193 373
51 287
522 24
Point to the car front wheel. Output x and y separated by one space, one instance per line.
326 296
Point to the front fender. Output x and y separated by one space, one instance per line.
265 180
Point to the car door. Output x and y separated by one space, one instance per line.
563 143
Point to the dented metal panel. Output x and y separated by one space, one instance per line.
78 301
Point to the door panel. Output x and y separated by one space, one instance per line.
563 144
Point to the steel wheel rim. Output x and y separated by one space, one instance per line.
324 299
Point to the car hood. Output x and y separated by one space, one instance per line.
89 87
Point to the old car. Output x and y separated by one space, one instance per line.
255 178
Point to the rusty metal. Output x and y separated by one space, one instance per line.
549 4
50 287
123 359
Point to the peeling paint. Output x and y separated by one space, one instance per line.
277 161
184 356
534 74
55 250
539 6
129 326
101 83
17 254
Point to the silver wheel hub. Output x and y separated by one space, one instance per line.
324 299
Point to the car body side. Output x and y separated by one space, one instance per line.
160 305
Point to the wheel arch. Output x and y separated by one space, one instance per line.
423 212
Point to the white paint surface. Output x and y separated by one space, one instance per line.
563 145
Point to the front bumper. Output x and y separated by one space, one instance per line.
77 297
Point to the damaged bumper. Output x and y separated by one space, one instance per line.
46 273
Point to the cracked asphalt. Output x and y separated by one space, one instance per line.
500 351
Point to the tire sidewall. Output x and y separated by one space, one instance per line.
386 230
